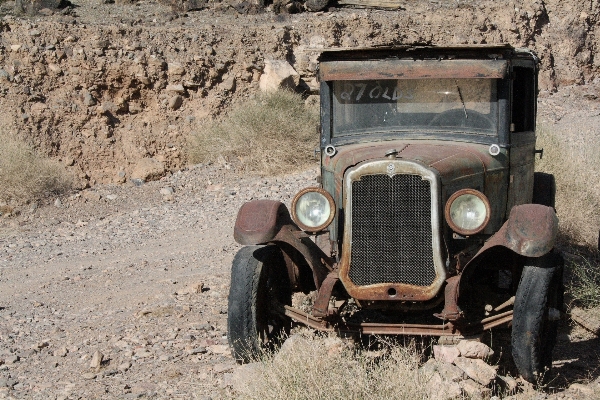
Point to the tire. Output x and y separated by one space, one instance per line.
544 189
533 332
259 290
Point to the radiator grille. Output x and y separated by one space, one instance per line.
391 231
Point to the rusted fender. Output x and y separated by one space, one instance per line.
258 221
269 221
530 231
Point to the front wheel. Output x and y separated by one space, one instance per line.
257 295
538 300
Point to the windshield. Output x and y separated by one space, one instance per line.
433 105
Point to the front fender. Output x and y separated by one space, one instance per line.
530 231
269 221
259 221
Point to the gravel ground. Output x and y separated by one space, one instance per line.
120 291
137 275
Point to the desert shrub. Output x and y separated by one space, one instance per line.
26 176
584 283
316 367
575 163
269 134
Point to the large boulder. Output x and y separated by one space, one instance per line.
278 74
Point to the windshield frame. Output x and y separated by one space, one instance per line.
501 137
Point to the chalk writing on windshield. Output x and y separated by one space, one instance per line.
363 92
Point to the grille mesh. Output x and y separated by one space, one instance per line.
391 231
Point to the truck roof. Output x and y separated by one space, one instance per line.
472 51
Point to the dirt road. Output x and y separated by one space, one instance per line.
139 276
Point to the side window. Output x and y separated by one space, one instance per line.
523 112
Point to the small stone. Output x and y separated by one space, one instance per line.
228 85
175 102
100 43
15 47
34 33
474 390
55 68
179 89
88 99
477 369
12 359
124 366
62 352
198 350
175 69
448 372
88 376
111 197
446 353
142 353
474 349
166 191
57 203
219 349
193 288
91 195
97 359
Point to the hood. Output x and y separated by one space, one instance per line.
453 161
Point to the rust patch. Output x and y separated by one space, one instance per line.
451 311
319 262
320 308
258 221
375 328
530 231
412 69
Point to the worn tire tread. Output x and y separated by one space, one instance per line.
241 325
533 337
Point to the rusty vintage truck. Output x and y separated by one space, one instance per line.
429 218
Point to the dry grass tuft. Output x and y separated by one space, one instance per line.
269 134
316 367
575 162
26 176
585 281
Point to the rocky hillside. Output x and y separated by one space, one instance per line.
102 86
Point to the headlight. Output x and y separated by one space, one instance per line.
467 212
313 209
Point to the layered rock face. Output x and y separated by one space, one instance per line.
102 87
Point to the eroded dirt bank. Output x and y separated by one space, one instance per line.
102 86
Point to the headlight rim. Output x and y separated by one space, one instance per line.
332 209
462 192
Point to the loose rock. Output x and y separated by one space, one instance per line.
476 369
